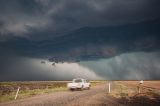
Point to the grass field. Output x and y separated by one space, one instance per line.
131 93
31 88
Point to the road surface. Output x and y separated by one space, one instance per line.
96 96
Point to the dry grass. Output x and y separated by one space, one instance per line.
126 93
30 88
121 90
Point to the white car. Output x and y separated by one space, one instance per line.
79 83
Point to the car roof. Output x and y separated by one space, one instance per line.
80 78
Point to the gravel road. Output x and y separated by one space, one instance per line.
96 96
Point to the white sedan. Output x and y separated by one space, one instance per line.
79 83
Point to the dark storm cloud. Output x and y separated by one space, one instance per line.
79 33
91 42
24 18
19 16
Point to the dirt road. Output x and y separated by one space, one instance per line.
96 96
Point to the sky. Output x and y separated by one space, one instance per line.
92 39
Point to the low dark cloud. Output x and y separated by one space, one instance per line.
26 68
129 66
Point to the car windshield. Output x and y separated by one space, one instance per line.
77 80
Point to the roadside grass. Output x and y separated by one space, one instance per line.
97 82
121 90
29 93
28 89
118 90
130 95
32 88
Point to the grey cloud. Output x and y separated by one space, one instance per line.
80 31
76 14
32 69
19 16
130 66
90 43
61 16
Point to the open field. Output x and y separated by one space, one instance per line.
151 84
131 93
31 88
123 93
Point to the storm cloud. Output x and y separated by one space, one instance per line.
95 39
23 68
56 17
138 65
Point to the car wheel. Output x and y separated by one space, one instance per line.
71 89
89 87
82 88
